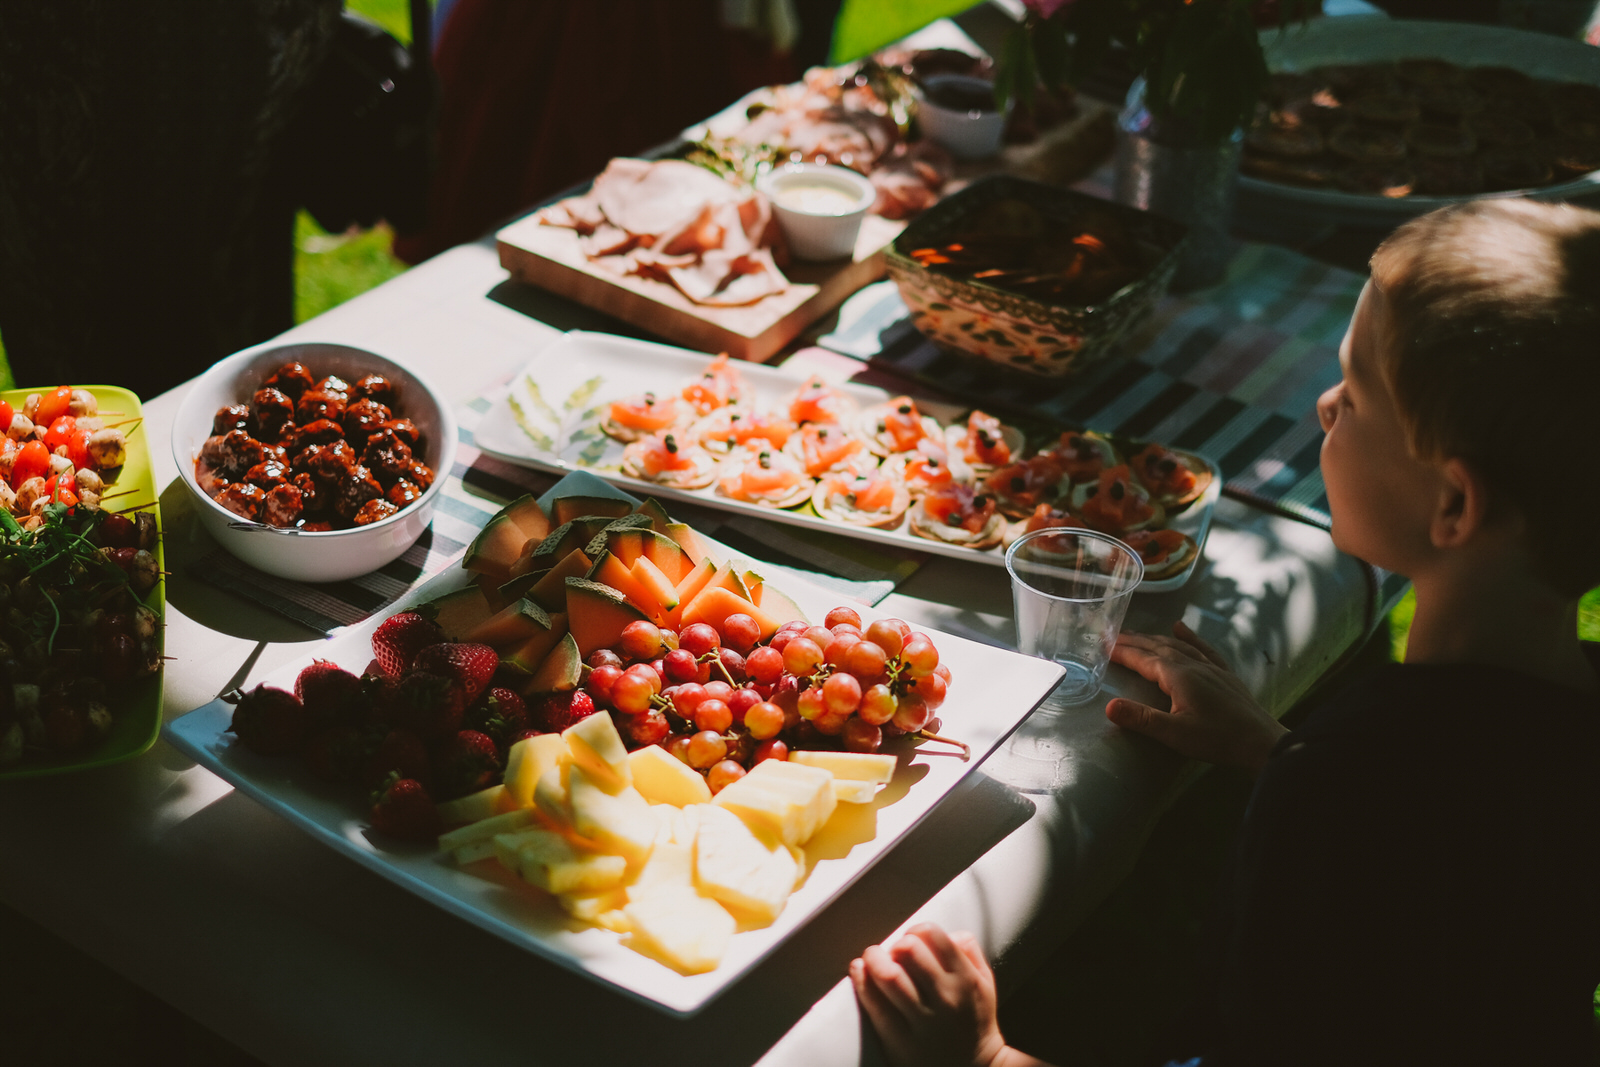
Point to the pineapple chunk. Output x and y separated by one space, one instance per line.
598 749
850 766
736 866
665 779
550 796
588 907
485 829
668 865
527 760
680 928
621 823
790 803
475 807
848 792
478 850
551 862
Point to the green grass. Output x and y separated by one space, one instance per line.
331 268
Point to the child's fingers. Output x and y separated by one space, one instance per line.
1142 718
1164 647
969 947
1188 636
950 957
890 979
884 1016
918 961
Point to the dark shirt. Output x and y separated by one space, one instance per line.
1418 879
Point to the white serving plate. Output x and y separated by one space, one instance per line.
564 391
1356 40
993 691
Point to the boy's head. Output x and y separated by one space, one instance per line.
1482 327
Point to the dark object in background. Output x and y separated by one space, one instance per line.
362 143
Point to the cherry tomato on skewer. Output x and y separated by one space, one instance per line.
64 489
78 450
33 461
7 413
56 403
60 432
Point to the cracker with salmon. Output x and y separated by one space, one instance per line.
765 477
878 499
958 516
666 460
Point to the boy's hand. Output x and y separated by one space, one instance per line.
1213 717
931 997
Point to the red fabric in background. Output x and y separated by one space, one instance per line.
536 95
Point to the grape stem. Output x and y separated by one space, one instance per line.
715 659
966 749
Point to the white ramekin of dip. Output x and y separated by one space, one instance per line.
819 206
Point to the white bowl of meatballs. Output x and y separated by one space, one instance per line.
314 462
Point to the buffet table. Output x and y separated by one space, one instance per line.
299 956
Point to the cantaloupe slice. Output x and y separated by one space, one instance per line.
550 591
459 611
657 584
659 519
729 579
596 614
777 605
510 627
715 604
495 549
527 657
608 570
690 542
667 556
568 508
561 670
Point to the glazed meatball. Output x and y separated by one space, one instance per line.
232 417
373 387
403 492
212 453
321 432
374 511
210 481
272 411
268 474
406 430
282 506
292 379
243 500
363 417
419 475
332 461
235 453
317 526
352 489
335 385
319 404
279 453
312 498
387 456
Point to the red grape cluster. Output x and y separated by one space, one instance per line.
722 702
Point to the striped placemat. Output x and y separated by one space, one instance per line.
479 485
1232 371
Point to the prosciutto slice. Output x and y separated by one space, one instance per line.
679 224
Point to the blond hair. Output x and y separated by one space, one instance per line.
1494 358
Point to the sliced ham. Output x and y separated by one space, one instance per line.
655 198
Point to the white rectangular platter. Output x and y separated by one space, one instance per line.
562 396
992 692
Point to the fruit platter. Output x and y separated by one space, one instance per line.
80 580
847 459
606 739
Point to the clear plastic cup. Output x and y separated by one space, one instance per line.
1071 588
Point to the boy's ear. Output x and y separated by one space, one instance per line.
1462 507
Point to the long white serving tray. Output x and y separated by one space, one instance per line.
562 395
993 691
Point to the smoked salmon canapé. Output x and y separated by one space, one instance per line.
669 458
1022 486
878 499
1044 517
929 467
1083 454
735 426
638 417
718 386
1115 503
898 426
1174 478
764 476
1165 552
984 442
817 401
958 515
829 448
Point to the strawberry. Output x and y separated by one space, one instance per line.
471 665
380 700
330 693
268 720
400 752
554 712
402 808
501 714
432 705
396 642
468 762
335 752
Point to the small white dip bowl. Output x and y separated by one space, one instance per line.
968 133
820 207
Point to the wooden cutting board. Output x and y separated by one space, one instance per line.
549 257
